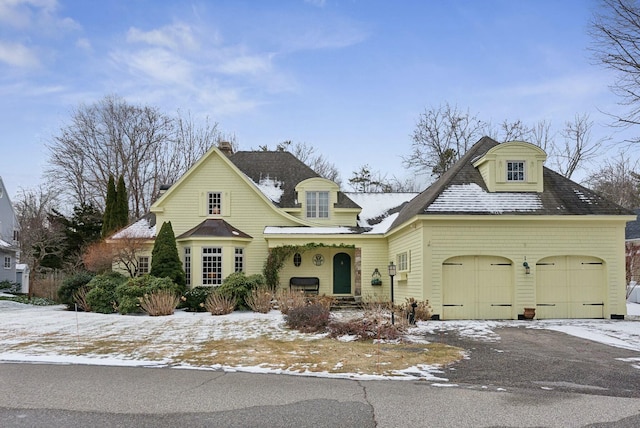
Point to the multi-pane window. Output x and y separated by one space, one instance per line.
403 262
211 266
7 262
143 265
239 260
318 204
515 171
214 203
187 266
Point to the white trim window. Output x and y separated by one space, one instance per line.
143 265
515 170
187 266
7 262
403 262
214 203
239 260
211 266
317 204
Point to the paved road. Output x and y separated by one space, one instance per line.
494 389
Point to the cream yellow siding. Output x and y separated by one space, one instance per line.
409 283
493 167
530 239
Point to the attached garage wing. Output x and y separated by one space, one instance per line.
570 287
477 287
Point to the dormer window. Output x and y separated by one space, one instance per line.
515 170
317 204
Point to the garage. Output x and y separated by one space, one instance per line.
477 287
570 287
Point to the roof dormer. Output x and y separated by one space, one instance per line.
515 166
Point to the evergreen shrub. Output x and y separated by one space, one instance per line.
193 299
238 286
102 297
128 294
70 286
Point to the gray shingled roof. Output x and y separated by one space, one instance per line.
214 228
632 231
561 196
284 168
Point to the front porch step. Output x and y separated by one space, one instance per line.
345 303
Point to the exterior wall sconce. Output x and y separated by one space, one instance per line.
527 269
376 278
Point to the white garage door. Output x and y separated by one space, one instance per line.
570 287
477 287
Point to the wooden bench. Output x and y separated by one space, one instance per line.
310 285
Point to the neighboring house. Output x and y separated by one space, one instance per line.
632 247
498 232
9 235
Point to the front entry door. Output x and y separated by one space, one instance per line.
342 273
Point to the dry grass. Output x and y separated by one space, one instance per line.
259 300
319 355
159 303
219 304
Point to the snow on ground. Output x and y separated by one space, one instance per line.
30 326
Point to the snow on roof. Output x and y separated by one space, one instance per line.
4 244
472 198
271 188
376 205
140 229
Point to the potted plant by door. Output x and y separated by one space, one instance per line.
529 313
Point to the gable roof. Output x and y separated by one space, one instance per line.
281 170
461 190
214 228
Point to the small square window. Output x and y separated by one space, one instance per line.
7 262
515 171
317 204
403 262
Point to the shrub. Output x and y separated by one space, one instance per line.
129 293
365 329
422 309
80 297
10 287
324 300
287 299
193 299
158 303
238 286
101 296
165 261
260 300
308 319
70 286
219 304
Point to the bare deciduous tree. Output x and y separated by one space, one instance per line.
40 238
126 252
615 30
577 147
113 137
618 180
442 135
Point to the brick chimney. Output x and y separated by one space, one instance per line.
226 148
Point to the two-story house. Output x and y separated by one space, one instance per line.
498 232
9 235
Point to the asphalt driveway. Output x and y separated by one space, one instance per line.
543 359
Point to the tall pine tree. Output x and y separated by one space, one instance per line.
109 207
121 211
165 261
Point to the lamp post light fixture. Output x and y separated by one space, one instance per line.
392 273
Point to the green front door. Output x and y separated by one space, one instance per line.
342 273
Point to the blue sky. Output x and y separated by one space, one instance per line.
348 77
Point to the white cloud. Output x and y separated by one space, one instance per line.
17 55
157 64
83 43
246 64
174 37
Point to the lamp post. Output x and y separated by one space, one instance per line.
392 273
